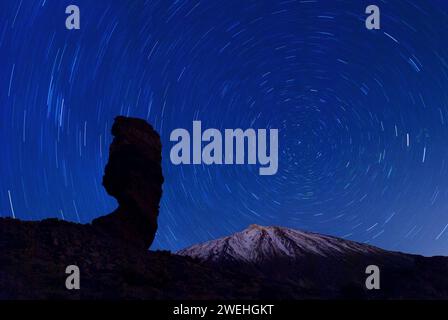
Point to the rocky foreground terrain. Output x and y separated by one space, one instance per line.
256 263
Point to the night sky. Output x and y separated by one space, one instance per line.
362 114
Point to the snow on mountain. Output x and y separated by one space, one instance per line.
257 243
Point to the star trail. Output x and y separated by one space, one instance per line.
362 114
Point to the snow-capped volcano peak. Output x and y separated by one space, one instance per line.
259 243
256 226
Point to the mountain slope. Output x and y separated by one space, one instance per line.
257 244
296 264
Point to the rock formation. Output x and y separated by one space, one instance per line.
134 177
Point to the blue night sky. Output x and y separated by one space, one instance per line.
362 114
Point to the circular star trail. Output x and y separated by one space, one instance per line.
362 114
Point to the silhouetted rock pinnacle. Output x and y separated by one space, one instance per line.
134 177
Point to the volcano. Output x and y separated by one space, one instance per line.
259 245
298 264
